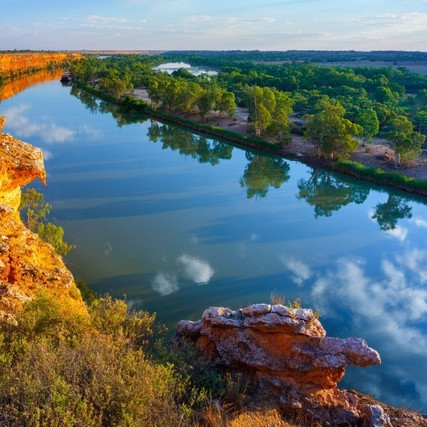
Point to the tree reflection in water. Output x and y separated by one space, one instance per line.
387 214
189 144
328 194
263 172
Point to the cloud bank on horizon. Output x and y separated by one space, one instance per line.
216 25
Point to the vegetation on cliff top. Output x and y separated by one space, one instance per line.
110 369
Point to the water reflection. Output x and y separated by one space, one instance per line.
12 87
387 214
189 144
327 193
23 127
186 268
96 105
391 310
263 172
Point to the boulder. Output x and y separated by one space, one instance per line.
287 352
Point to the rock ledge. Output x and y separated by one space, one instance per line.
287 352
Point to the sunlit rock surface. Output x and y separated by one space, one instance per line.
15 63
288 353
27 264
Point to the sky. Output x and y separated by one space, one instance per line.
214 24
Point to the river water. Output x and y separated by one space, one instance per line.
178 222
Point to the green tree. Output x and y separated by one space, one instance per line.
280 128
261 102
405 141
34 210
330 132
227 104
205 103
420 121
370 124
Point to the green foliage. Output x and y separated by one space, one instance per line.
330 132
368 120
406 142
54 235
190 363
34 210
86 293
378 175
61 369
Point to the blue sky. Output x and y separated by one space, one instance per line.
214 24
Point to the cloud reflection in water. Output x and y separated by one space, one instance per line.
187 268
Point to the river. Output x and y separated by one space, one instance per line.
178 222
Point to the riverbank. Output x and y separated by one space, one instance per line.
368 163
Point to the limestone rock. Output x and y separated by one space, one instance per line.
27 264
288 353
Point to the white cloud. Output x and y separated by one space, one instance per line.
189 268
165 284
390 307
196 270
108 248
301 271
47 155
419 222
399 233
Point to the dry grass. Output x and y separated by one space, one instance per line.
276 298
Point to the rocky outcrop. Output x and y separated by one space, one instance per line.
27 264
16 63
289 355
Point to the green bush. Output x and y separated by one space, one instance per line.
59 369
382 177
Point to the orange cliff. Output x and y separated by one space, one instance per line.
28 265
16 63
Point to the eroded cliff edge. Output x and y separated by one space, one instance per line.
27 264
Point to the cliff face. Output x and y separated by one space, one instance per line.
27 264
15 63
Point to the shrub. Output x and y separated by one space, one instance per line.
59 369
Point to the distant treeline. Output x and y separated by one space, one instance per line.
304 55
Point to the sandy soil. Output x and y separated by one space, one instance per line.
376 154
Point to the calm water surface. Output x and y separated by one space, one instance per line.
177 223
